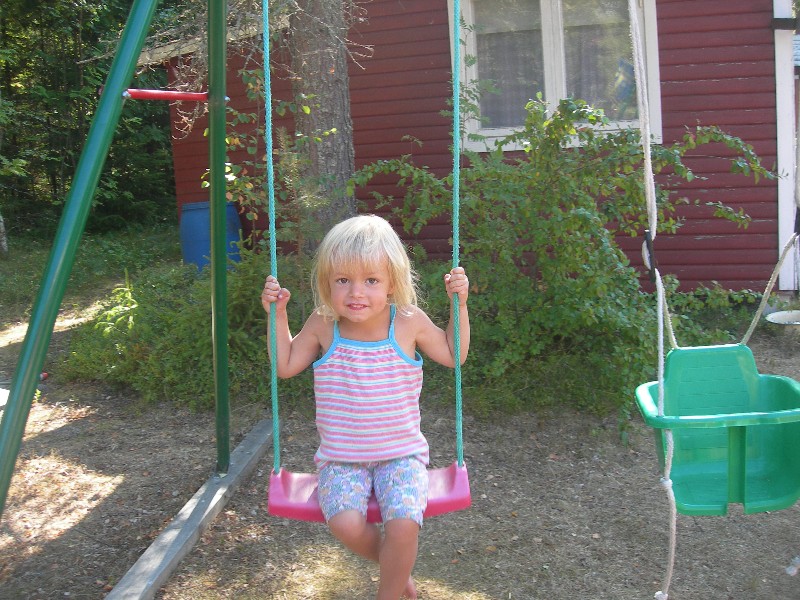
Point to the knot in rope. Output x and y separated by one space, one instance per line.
648 254
666 483
661 596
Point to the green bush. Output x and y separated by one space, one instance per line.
557 313
553 296
711 315
154 335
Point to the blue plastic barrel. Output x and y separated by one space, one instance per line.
195 231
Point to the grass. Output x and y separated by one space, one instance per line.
100 265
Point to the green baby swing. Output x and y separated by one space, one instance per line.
724 432
294 495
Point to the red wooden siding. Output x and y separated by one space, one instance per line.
717 62
396 94
401 91
190 152
717 68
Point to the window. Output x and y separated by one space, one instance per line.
559 48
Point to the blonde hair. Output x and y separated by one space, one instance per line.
363 241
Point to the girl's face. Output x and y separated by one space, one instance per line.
359 294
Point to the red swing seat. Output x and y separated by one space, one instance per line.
294 495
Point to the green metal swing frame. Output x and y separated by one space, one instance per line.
73 222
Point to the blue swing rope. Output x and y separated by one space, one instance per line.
456 217
273 253
273 246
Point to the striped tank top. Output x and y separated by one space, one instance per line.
367 399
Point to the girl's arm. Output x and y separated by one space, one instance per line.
296 353
438 344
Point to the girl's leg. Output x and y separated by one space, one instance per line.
401 487
351 528
397 556
344 491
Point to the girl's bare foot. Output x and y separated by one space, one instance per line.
411 590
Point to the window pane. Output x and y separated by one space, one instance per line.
599 55
509 54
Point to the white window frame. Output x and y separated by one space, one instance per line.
554 68
786 104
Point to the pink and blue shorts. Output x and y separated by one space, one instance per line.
400 486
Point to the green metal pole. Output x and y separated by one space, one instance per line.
62 256
217 54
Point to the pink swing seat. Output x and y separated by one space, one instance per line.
294 495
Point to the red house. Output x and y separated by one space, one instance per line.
717 62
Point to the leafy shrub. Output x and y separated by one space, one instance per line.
154 335
550 286
711 315
557 312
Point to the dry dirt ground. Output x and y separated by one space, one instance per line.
562 510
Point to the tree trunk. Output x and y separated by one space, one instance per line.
318 34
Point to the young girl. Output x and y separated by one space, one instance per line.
362 341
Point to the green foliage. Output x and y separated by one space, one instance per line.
550 286
556 310
298 196
53 63
138 320
100 259
154 336
137 185
710 315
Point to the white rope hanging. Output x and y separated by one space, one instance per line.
652 218
765 297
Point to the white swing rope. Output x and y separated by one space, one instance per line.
765 298
662 310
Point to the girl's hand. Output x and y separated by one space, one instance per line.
274 293
456 282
